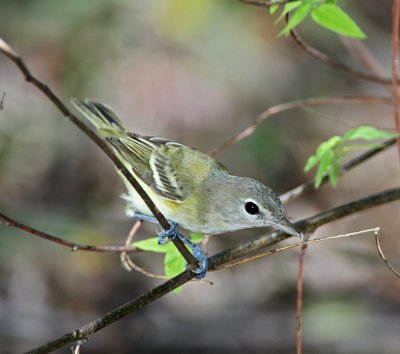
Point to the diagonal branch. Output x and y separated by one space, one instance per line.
306 225
326 59
308 102
45 89
7 221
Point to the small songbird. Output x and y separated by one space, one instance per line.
190 188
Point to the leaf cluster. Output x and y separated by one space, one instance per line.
326 13
333 151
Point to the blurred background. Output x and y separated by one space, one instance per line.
197 71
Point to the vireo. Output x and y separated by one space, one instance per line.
190 188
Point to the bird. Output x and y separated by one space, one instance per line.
191 189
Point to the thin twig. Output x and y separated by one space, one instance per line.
124 256
299 300
14 57
128 263
327 60
3 96
269 3
378 246
288 247
264 3
395 67
366 58
313 101
218 260
7 221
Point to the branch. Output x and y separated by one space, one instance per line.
264 3
306 226
5 220
327 60
14 57
308 102
395 67
83 333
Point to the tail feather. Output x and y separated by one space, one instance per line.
101 116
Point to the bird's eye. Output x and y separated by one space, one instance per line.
251 208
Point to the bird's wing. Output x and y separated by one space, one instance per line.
146 156
148 159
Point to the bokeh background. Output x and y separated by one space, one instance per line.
197 71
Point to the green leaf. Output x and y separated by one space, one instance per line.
151 245
334 173
288 7
311 162
299 15
174 264
273 9
196 238
323 168
328 145
332 17
368 133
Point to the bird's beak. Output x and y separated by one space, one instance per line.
286 226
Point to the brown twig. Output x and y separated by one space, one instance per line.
124 256
313 101
264 3
378 246
128 263
366 58
3 96
299 300
269 3
247 258
7 221
395 67
327 60
14 57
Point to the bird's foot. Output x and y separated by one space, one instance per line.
168 235
199 254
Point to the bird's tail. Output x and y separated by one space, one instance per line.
101 116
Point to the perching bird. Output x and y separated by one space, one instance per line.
191 189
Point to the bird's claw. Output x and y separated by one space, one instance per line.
200 256
168 235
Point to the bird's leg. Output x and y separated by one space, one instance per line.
168 235
143 217
199 254
163 236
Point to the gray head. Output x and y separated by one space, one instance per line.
251 204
